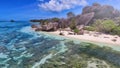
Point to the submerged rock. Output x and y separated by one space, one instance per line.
3 49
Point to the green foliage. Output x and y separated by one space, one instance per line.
73 24
104 25
70 14
46 21
108 25
76 30
55 19
98 25
116 31
89 28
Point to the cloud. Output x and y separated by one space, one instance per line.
60 5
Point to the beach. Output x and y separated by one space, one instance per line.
102 38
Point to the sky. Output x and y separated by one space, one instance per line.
37 9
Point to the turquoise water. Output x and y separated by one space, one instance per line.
21 47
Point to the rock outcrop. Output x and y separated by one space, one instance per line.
84 19
89 15
101 11
48 27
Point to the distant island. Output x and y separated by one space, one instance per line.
12 20
7 20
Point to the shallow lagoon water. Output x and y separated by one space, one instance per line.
19 44
21 47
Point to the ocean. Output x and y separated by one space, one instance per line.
22 47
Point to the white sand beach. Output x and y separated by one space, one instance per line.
93 37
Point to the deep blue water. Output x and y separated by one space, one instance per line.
20 47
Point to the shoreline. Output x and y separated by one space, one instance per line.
77 37
82 38
113 46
